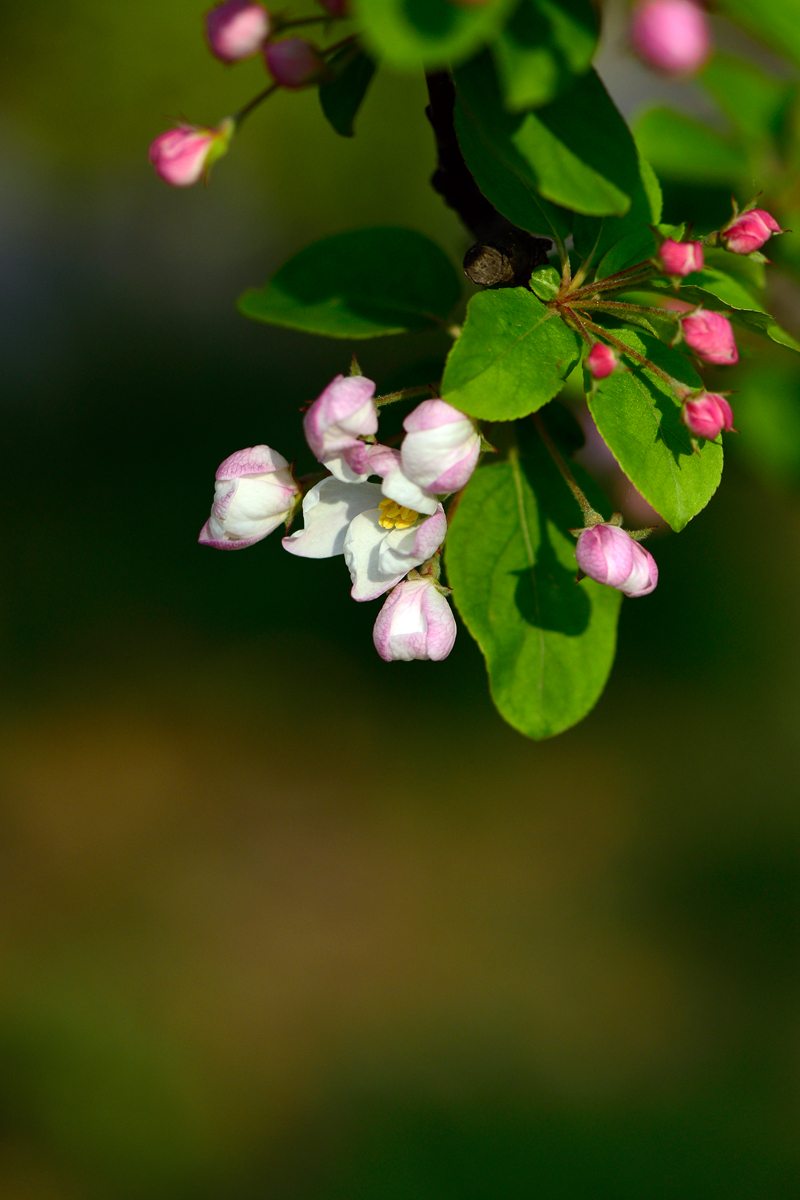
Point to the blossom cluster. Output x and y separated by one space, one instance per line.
237 30
390 532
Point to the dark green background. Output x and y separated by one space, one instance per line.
277 919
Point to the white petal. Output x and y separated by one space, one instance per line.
328 510
398 487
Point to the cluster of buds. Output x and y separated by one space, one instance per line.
389 532
237 30
707 333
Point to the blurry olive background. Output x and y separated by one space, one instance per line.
277 919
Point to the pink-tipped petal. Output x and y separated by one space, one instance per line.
179 155
254 493
609 555
237 29
255 460
416 622
441 447
674 36
644 574
680 258
294 62
749 231
707 415
710 336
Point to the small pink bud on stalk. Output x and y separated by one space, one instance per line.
707 415
601 361
255 492
673 36
185 155
236 29
416 622
294 62
710 336
749 231
679 258
609 555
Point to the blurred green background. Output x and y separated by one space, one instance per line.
278 920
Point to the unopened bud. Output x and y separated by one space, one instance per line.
255 492
680 258
237 29
707 415
294 62
609 555
673 36
749 231
710 336
337 8
415 622
601 361
184 155
441 447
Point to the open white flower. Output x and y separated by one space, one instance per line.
380 539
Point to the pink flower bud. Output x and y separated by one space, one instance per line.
601 361
749 231
415 622
710 335
336 421
609 555
707 415
680 258
236 29
255 492
183 156
441 447
294 62
337 8
673 36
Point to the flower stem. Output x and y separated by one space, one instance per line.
675 384
254 103
405 394
621 306
591 516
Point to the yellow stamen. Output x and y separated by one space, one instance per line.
395 516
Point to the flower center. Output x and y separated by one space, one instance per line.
395 516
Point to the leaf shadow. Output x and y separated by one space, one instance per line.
671 430
547 596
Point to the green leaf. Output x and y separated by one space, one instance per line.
430 33
360 285
542 47
717 290
681 148
511 358
548 643
576 152
774 22
593 235
342 97
752 100
639 419
546 282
